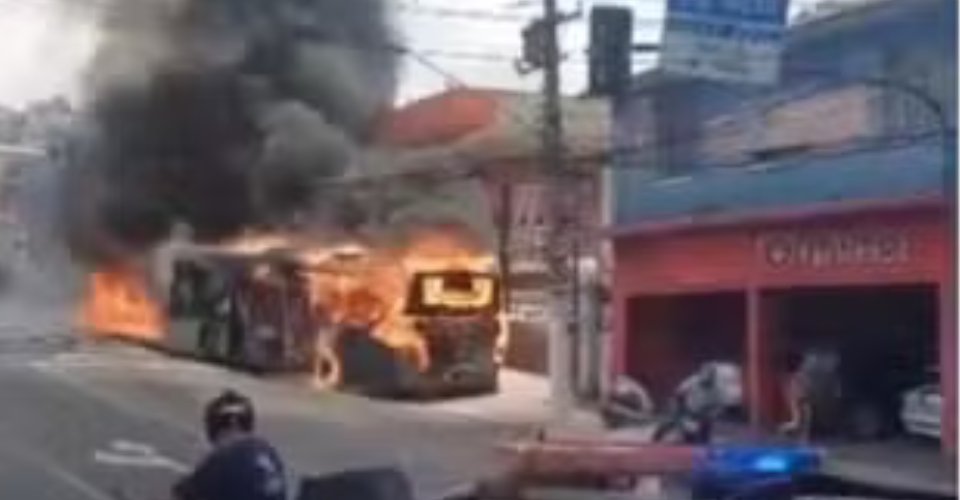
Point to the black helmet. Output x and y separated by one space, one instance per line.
228 411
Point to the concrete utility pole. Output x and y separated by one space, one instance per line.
562 249
506 262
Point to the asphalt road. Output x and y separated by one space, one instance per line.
108 422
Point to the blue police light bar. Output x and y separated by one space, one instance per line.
738 460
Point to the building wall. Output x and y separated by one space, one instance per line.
824 180
821 110
744 256
899 246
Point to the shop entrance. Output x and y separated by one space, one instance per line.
669 336
886 340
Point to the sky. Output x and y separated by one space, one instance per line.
47 43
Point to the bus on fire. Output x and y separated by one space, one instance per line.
352 320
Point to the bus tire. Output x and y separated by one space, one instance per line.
491 385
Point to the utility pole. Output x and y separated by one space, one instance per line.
560 252
541 51
506 262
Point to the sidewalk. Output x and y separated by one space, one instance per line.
524 400
904 463
901 462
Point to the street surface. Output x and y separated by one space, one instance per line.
98 422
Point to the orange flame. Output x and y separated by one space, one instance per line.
365 290
368 287
444 251
117 303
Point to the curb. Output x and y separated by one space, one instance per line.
887 476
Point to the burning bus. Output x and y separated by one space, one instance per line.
245 310
426 320
432 332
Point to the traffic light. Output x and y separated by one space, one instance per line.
611 40
535 44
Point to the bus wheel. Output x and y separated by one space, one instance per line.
326 368
206 343
214 341
493 384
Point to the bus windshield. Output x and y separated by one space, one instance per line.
452 293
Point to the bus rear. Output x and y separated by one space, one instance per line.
457 318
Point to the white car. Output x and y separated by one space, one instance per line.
921 410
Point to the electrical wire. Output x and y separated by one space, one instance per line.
447 13
479 15
438 12
464 55
621 159
424 57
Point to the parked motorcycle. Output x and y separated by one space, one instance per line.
627 404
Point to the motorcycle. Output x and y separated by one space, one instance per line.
627 404
693 408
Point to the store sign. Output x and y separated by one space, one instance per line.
728 40
834 249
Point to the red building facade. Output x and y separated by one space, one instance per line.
740 278
756 224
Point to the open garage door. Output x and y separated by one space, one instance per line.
886 339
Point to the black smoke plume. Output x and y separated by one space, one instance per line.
221 115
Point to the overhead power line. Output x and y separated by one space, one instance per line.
571 57
483 15
626 159
464 55
443 12
422 56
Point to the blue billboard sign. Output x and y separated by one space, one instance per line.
728 40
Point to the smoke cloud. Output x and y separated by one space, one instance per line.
222 115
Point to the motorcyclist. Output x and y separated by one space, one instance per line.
241 465
714 388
